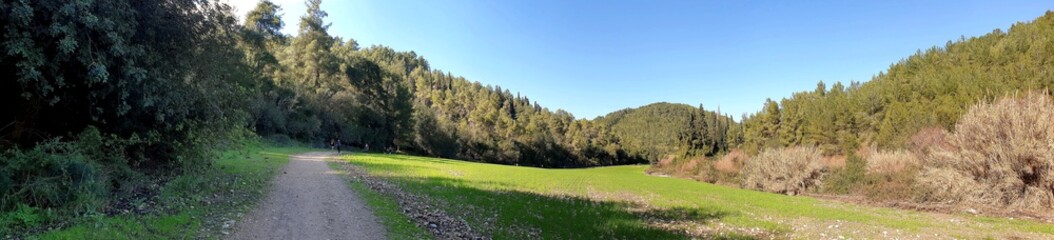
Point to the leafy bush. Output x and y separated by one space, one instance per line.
1001 153
281 140
846 179
784 170
58 178
52 175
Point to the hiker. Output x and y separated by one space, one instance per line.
332 144
367 148
338 146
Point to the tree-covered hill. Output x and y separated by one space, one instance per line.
457 118
931 88
662 130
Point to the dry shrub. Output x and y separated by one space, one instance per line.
784 170
927 139
895 186
665 162
836 161
679 167
1001 153
731 162
865 150
891 175
691 166
891 162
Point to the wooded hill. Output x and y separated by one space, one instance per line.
668 130
932 88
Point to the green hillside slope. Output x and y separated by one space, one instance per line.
662 130
931 88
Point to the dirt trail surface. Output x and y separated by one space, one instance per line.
310 201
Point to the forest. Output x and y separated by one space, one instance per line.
102 93
99 94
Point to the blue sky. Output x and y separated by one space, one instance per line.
595 57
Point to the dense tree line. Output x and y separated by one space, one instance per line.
457 118
103 95
931 88
667 130
160 72
318 87
99 94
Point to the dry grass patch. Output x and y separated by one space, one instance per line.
891 162
835 161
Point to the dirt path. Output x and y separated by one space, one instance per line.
310 201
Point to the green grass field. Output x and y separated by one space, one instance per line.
192 206
511 202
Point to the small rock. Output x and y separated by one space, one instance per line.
228 224
432 225
225 233
973 211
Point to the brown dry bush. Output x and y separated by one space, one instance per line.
927 139
1001 154
834 161
664 166
784 170
890 175
731 162
891 162
691 166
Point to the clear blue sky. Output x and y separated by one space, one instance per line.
594 57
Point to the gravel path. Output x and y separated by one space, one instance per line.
310 201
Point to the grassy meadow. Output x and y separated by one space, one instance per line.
512 202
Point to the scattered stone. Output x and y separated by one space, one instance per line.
228 224
422 210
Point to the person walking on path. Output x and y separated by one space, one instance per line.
338 146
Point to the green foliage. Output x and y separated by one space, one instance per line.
847 179
933 87
662 130
23 216
52 175
452 117
154 69
190 206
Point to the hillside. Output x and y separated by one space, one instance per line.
930 89
457 118
662 130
